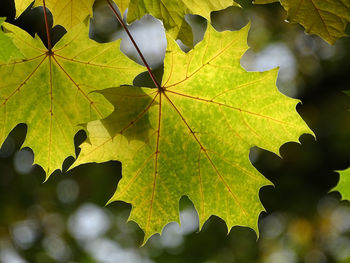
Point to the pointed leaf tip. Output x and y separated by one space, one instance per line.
343 186
63 82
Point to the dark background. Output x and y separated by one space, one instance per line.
65 220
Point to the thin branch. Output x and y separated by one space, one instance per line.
158 86
49 45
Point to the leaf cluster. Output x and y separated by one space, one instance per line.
189 135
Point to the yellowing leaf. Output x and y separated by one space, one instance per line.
193 136
122 5
172 13
21 5
8 50
68 13
53 92
344 184
325 18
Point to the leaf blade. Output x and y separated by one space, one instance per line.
21 5
68 13
198 140
8 50
172 14
61 86
343 186
327 19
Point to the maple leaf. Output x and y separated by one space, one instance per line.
52 92
197 133
21 5
122 5
327 19
343 186
8 50
172 13
68 13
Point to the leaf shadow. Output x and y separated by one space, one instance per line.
32 21
144 79
130 117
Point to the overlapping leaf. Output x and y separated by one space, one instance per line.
7 49
193 136
172 13
68 13
122 4
21 5
52 91
344 184
326 18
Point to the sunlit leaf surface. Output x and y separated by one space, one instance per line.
7 49
172 14
21 5
193 136
68 13
344 184
52 92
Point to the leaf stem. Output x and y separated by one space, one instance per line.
49 45
158 86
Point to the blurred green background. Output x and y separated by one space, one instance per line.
65 219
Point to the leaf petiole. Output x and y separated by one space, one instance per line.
49 45
158 86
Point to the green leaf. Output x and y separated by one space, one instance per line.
68 13
53 92
21 5
193 136
325 18
172 13
328 19
8 50
343 186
